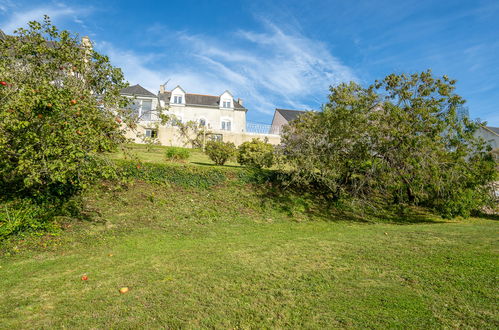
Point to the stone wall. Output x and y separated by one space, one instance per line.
169 136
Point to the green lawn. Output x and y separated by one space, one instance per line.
156 154
232 256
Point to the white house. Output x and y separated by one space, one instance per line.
223 115
218 112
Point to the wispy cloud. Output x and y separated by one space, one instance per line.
20 18
269 69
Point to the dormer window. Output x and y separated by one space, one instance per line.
177 99
226 101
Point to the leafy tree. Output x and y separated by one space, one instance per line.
256 153
220 152
398 141
192 133
56 93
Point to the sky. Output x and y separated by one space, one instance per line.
285 54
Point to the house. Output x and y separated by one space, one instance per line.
283 117
219 113
490 135
223 115
144 106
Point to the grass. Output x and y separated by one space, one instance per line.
213 253
156 154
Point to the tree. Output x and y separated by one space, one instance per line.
400 141
59 111
192 132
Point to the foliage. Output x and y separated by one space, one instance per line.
256 153
177 153
192 133
54 122
166 174
399 141
220 152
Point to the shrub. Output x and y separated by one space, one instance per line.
256 153
177 153
220 152
183 175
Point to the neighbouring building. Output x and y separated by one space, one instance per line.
283 117
490 135
223 115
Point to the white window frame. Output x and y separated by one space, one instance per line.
226 103
150 131
205 122
223 122
177 118
178 99
140 109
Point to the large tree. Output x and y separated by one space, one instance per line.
399 140
59 111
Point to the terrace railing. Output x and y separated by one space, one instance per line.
258 128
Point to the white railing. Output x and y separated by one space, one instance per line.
259 128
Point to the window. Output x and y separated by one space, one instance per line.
175 120
146 110
226 103
151 133
226 125
216 137
202 122
135 107
141 109
177 99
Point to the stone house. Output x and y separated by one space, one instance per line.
223 115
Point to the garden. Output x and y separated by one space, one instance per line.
342 225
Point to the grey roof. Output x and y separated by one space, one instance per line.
290 115
200 99
493 129
137 90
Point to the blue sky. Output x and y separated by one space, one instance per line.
285 53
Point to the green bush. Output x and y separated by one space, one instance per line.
177 153
184 175
24 215
256 153
220 152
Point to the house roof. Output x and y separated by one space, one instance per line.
290 115
493 129
2 35
137 90
200 100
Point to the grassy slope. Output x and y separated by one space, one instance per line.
233 256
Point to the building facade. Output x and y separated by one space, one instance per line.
283 117
223 115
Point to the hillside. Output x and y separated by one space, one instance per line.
205 246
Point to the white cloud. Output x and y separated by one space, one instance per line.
268 70
20 18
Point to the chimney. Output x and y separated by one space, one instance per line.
161 89
240 101
86 42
